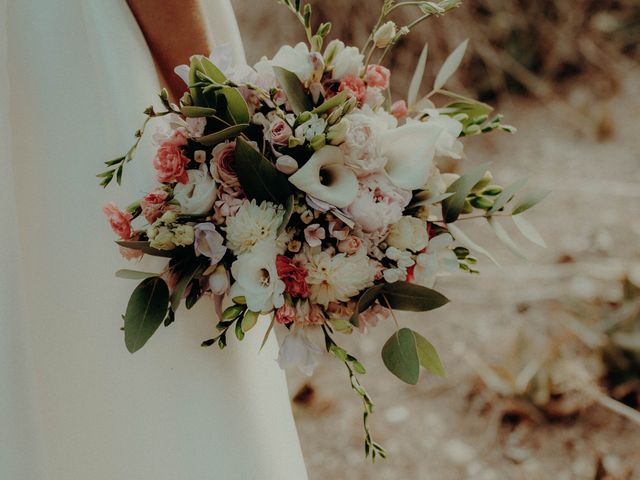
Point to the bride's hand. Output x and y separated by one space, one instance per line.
174 30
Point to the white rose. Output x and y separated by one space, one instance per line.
385 34
409 151
256 278
161 238
198 194
295 59
347 62
409 233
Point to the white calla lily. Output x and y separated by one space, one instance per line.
409 151
326 178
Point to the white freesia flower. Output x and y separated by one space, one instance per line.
311 128
410 233
438 256
198 194
349 61
409 151
298 351
336 278
326 178
448 144
251 224
256 278
295 59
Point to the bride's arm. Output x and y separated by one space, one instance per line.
174 30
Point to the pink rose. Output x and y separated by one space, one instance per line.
350 245
399 109
120 221
223 166
153 204
170 163
279 132
354 85
379 203
377 76
314 234
285 314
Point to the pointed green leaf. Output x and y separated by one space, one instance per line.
146 248
465 241
530 201
529 231
400 356
453 206
287 215
197 112
507 194
237 109
505 238
294 90
428 356
367 299
416 81
191 270
450 65
258 176
146 310
411 297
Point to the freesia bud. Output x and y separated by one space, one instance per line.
219 281
318 142
338 132
287 165
385 34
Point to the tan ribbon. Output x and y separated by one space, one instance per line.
174 30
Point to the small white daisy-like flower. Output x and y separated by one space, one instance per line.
252 224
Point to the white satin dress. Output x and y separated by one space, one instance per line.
75 76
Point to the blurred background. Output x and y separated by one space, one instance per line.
542 356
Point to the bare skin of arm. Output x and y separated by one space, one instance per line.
174 30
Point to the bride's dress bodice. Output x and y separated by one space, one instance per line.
75 76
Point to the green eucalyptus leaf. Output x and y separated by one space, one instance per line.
294 90
400 356
258 176
411 297
134 274
213 139
428 356
453 206
146 310
530 201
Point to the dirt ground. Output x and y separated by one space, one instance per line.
587 151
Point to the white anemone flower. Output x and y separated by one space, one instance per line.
196 197
409 150
298 351
326 178
438 256
256 278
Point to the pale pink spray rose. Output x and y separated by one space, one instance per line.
170 163
316 315
223 165
378 204
279 132
399 109
153 204
285 314
314 234
120 221
338 230
377 76
350 245
209 242
370 317
131 253
227 205
355 86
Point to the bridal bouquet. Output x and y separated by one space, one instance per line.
298 190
